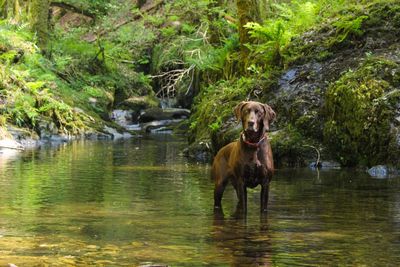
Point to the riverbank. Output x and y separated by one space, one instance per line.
329 70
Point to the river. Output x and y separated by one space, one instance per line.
141 202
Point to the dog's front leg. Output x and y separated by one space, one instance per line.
241 192
264 197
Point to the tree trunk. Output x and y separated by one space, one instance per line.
3 9
213 17
247 11
17 11
39 20
7 8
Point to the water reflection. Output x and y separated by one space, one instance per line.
137 202
244 244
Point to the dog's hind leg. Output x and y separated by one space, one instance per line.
219 189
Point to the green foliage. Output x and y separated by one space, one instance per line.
273 38
30 89
348 26
215 126
215 104
276 33
168 32
359 109
191 11
290 147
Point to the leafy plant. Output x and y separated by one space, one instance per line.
349 26
359 110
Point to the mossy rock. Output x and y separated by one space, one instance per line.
356 29
360 109
200 151
229 132
138 103
214 107
291 149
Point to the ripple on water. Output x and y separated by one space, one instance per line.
139 202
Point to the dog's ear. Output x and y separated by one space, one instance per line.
238 110
269 116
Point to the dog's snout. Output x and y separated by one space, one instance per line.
250 123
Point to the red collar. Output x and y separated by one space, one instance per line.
255 145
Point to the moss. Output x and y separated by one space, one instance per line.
214 106
8 57
291 148
39 20
360 107
351 28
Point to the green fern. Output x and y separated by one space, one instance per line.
349 26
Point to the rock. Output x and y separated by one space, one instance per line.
163 126
72 19
398 139
327 165
46 128
122 117
98 136
10 144
199 151
397 120
229 131
26 138
115 134
168 102
382 171
139 103
92 101
157 114
133 127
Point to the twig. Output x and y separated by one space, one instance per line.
171 80
318 155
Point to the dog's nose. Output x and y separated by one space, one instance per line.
250 123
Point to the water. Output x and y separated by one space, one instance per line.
140 202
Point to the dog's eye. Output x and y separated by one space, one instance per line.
256 111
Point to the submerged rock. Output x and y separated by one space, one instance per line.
326 165
115 134
199 151
382 171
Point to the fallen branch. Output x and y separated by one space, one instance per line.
317 163
230 19
73 9
170 80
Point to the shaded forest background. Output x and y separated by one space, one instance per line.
330 69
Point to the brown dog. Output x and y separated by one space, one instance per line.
248 161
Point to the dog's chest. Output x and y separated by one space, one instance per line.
252 175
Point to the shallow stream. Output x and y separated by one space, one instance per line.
141 202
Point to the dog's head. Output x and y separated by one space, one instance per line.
256 117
